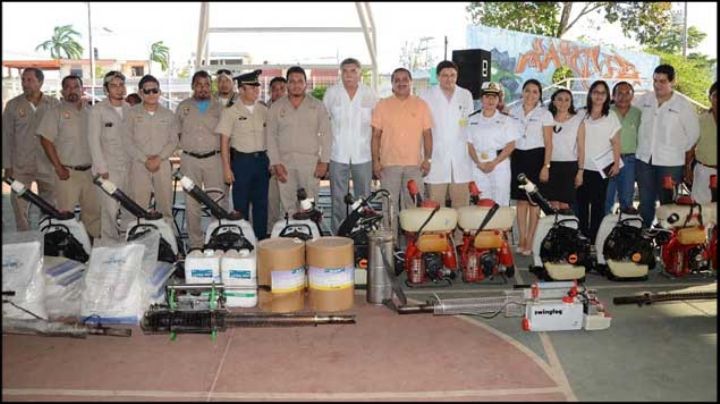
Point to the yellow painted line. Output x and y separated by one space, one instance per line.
283 396
560 375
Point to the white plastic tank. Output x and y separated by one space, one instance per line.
239 268
203 266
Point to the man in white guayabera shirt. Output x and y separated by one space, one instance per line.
450 106
350 104
668 130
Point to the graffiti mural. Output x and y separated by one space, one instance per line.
517 56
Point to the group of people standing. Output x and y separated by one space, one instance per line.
267 151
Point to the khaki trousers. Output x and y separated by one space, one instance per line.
459 194
144 183
301 176
275 208
206 173
47 189
395 179
110 210
79 189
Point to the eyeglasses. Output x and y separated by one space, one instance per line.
147 91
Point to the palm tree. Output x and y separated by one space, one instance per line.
159 52
63 42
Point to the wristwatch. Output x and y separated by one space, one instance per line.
547 165
429 160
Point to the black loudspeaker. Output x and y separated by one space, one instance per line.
473 69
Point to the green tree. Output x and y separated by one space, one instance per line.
644 20
670 40
63 43
562 73
159 52
692 78
319 92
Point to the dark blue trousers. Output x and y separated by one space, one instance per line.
252 175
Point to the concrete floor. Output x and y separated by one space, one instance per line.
663 352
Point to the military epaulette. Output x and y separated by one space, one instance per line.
475 112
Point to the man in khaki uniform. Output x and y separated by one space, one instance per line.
22 155
152 138
298 138
63 136
106 136
278 89
198 116
244 155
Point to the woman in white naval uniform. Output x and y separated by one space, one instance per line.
491 139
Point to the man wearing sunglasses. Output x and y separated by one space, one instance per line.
198 116
226 94
107 134
298 139
152 138
244 158
63 136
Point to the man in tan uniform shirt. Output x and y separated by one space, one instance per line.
22 155
278 89
106 136
298 138
198 116
244 155
63 135
152 138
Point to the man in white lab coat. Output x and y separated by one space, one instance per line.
450 106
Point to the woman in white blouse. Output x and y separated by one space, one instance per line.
602 153
532 154
568 152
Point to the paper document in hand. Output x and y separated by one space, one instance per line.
604 161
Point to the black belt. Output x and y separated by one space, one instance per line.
626 154
79 168
256 154
202 155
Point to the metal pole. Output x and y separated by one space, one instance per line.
684 33
446 44
92 56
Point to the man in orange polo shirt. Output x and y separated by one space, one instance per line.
401 139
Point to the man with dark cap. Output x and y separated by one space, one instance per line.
298 138
245 161
198 116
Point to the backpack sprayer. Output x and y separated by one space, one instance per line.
485 252
624 250
687 249
430 253
364 219
305 222
147 220
560 251
64 236
229 230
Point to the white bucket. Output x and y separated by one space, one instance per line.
240 296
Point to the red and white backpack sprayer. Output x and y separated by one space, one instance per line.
485 252
430 252
688 248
